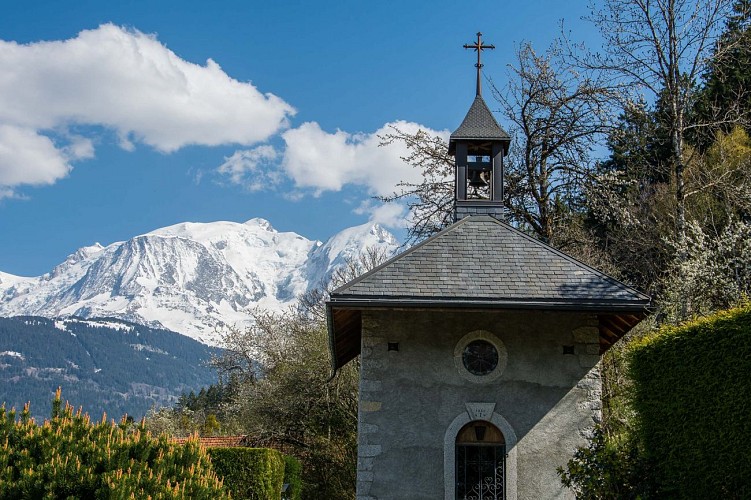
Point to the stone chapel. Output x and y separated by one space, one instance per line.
479 347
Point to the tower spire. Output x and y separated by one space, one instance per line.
478 47
478 147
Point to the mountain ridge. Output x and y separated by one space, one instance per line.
191 278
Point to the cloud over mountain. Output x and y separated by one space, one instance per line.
125 81
327 161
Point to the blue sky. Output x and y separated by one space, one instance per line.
113 123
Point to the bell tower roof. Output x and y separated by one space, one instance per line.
479 124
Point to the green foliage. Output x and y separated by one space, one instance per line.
724 97
640 144
253 473
719 181
204 413
691 394
289 399
608 469
71 457
292 477
677 428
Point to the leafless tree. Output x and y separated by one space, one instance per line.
312 304
283 389
430 201
557 114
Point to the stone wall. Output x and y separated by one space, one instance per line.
413 399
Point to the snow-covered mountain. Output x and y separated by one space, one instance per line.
190 278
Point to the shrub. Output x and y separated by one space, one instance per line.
691 396
690 418
293 477
610 468
254 473
71 457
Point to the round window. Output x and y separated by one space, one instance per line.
480 357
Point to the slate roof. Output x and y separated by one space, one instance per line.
479 124
480 261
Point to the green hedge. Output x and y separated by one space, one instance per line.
254 473
692 395
293 477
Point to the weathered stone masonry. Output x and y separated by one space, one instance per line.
409 397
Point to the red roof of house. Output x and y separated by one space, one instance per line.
215 441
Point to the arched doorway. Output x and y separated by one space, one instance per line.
480 462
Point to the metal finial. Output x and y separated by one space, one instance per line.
478 47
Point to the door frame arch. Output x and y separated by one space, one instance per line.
449 453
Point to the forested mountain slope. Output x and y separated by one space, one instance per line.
102 364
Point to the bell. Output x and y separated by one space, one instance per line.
476 180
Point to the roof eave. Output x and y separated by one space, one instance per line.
332 345
614 306
504 140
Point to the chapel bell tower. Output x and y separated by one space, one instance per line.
478 146
476 381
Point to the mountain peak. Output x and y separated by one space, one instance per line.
191 278
370 233
85 252
383 234
260 222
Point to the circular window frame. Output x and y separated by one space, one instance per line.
491 339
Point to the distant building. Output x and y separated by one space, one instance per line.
479 347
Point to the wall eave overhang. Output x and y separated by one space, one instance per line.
344 315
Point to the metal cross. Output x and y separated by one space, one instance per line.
478 47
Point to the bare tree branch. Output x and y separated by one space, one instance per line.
661 48
558 114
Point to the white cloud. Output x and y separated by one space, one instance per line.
393 215
252 168
327 161
126 81
79 148
9 193
28 158
321 161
